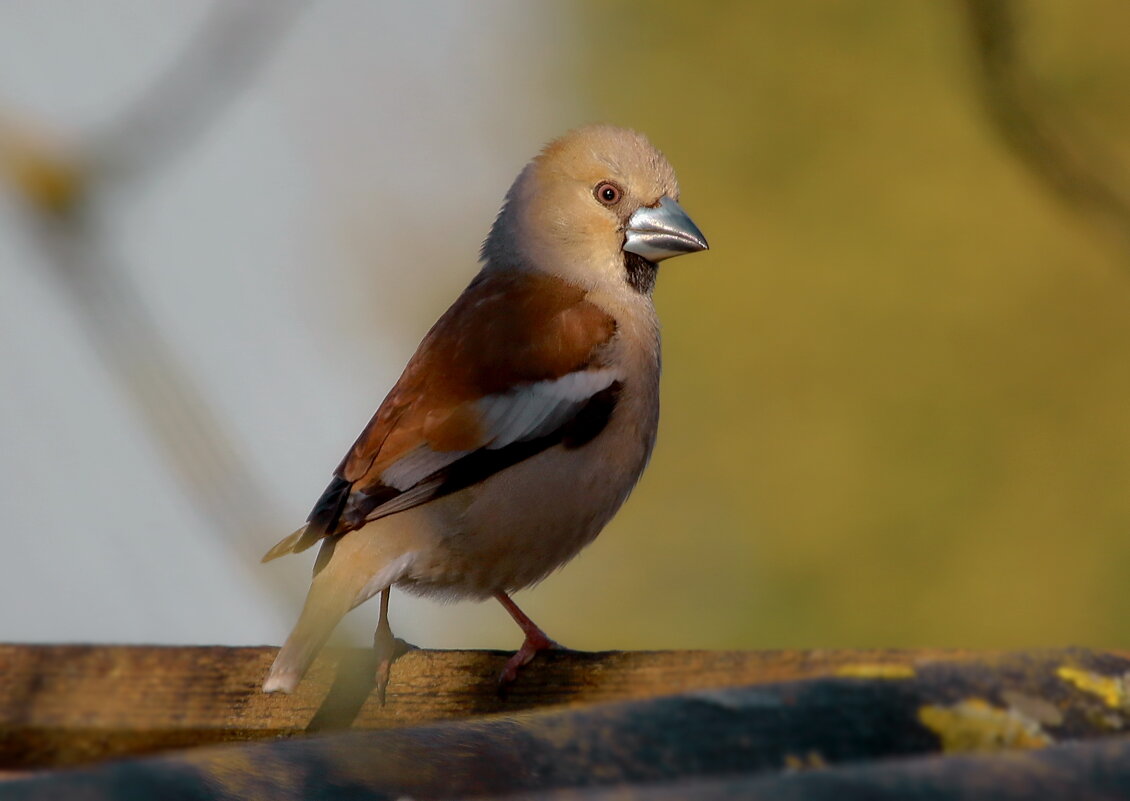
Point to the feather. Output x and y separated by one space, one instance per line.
284 546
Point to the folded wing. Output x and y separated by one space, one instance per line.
515 366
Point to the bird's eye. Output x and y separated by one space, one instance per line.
608 193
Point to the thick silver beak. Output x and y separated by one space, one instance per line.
662 231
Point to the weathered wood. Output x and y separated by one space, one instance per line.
67 704
1092 771
720 742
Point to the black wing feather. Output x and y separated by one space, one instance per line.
341 509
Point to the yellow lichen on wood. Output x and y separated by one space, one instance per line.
1111 689
878 670
976 725
813 760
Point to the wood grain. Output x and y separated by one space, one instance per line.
1023 725
70 704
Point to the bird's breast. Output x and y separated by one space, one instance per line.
522 523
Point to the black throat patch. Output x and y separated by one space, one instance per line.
641 272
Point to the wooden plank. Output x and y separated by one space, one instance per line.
1092 771
69 704
825 735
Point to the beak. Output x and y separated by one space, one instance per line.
662 231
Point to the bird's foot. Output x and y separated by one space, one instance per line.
535 641
389 648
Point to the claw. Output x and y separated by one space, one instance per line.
536 640
387 653
525 655
389 648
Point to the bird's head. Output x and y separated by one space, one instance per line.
597 207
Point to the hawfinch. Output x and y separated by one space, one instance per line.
526 415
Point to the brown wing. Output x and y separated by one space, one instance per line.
506 330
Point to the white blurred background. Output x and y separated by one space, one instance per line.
293 249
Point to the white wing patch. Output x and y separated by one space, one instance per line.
520 415
537 409
416 465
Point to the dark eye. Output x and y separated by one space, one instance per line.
608 193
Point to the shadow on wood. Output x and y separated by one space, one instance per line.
67 705
888 722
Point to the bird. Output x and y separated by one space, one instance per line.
525 417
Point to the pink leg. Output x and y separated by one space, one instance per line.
536 639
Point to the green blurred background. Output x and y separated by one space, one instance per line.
897 391
896 399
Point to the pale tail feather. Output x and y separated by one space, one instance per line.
332 594
284 546
319 618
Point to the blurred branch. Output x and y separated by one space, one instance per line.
1075 169
42 173
220 60
151 377
62 190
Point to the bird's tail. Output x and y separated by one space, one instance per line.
284 546
366 562
323 521
319 618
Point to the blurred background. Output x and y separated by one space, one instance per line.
896 401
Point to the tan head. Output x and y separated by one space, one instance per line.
592 207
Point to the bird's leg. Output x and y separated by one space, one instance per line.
536 639
389 648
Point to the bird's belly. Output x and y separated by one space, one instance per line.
524 522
